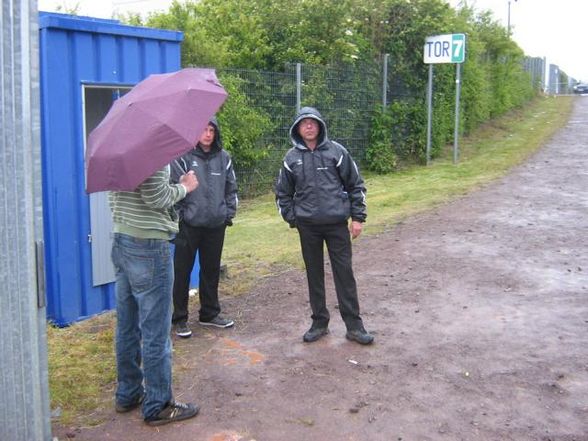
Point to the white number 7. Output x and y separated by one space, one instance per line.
457 46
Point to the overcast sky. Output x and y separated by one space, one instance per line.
105 8
555 29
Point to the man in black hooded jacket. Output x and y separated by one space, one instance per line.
204 216
318 189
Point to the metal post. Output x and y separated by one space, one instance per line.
24 385
385 82
456 129
429 112
508 19
298 87
544 68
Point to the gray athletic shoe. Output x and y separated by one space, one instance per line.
183 330
173 412
360 336
314 333
219 322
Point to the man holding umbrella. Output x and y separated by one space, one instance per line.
157 121
144 223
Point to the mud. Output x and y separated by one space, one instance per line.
480 312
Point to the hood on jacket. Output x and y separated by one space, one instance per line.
217 144
308 112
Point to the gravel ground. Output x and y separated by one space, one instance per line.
480 312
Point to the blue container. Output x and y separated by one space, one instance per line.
195 275
85 64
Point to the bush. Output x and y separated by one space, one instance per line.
380 156
242 125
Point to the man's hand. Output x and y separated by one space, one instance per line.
189 181
355 229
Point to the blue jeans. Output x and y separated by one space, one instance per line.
144 282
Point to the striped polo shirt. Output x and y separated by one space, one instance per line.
148 212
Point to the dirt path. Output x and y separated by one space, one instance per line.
480 311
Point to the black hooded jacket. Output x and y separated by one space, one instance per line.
215 201
320 186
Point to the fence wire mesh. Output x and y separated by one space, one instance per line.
345 96
272 94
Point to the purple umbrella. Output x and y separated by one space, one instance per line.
160 119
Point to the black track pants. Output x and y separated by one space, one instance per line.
208 243
336 236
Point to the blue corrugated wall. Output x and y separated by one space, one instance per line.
75 51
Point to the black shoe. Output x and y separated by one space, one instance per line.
173 412
183 330
361 336
219 322
313 334
123 408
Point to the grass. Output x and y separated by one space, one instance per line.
81 369
81 358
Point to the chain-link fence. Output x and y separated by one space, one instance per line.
346 97
272 94
535 66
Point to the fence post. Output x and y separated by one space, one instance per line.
298 87
544 68
24 385
456 127
429 112
385 82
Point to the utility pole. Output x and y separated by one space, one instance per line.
508 17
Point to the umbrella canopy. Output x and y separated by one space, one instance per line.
158 120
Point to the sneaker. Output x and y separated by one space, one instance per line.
123 408
183 330
360 336
174 411
313 334
219 322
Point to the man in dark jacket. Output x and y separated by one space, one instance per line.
204 216
319 188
